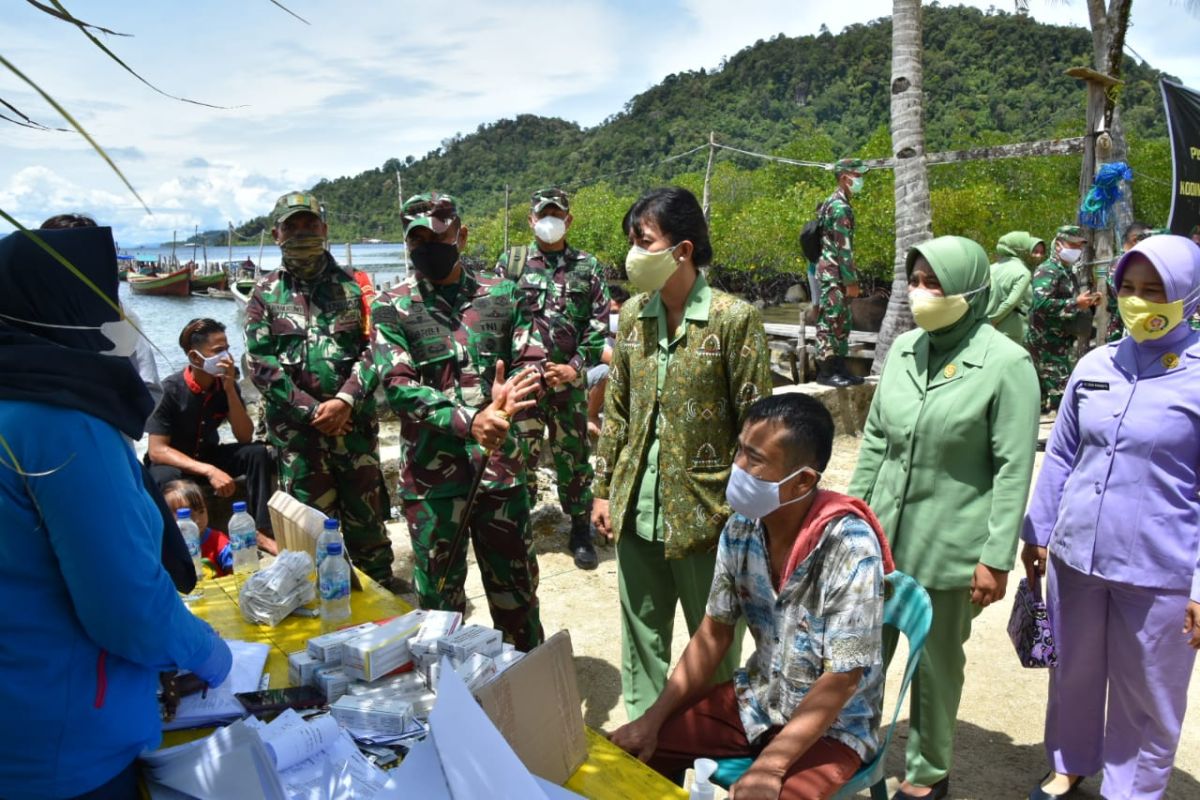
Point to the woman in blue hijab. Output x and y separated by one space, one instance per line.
91 617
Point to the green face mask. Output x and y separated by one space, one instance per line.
649 271
1146 320
304 255
856 184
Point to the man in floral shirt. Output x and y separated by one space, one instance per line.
805 568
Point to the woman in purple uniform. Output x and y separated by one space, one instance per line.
1115 525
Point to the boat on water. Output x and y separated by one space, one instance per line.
201 283
171 284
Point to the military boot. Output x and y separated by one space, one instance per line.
580 544
841 369
829 375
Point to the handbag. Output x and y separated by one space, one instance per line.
1029 627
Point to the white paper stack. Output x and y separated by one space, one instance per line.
219 704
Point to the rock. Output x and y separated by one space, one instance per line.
796 293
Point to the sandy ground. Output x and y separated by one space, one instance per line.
998 750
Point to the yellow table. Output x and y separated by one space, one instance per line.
608 774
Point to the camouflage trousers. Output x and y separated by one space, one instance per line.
1054 359
503 542
345 482
562 422
833 320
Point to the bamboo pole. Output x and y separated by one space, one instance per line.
706 204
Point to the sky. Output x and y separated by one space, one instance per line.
367 80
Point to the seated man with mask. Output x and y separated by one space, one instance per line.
805 568
184 438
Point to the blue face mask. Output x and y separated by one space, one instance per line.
755 498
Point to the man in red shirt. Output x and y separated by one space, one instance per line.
184 438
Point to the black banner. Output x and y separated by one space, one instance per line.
1183 123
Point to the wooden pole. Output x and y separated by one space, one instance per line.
262 236
706 203
506 217
229 241
195 236
400 206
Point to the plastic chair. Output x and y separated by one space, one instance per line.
907 609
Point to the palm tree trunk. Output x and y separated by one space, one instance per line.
913 216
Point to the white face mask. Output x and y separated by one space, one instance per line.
550 230
856 184
212 364
1069 255
120 332
755 498
612 322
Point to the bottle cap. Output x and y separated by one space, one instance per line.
183 513
331 524
333 549
239 507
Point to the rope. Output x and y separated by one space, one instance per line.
779 159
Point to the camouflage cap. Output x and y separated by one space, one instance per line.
849 165
294 203
432 210
549 197
1072 232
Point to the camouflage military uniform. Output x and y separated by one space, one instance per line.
568 297
835 269
435 349
1051 336
306 343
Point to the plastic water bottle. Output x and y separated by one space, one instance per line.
191 537
330 533
702 788
243 539
334 583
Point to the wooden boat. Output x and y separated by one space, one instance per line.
172 284
215 280
219 294
242 289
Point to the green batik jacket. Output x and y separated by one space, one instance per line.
437 359
719 369
306 343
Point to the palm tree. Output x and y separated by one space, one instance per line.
913 215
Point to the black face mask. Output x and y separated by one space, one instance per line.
434 260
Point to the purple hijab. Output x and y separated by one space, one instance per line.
1177 261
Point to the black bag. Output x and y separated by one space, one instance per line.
810 240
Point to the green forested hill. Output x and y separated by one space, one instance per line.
989 78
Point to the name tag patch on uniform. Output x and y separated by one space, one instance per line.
1095 386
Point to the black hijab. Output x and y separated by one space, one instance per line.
65 366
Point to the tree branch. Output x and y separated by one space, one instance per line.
83 27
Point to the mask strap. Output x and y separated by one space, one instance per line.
51 324
789 477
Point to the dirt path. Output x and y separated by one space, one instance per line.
998 751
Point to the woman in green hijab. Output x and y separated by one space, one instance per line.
945 463
1010 295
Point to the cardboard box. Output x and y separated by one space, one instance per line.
382 649
328 646
535 705
300 668
464 642
388 716
331 679
436 625
296 526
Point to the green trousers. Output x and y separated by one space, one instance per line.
937 686
649 585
